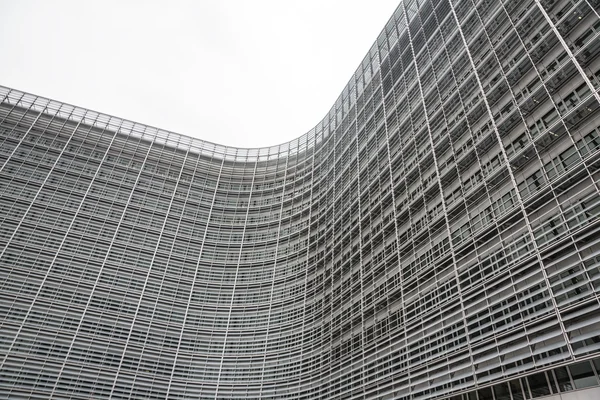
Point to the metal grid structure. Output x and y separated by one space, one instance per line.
436 235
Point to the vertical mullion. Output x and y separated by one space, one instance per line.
47 273
150 265
567 50
440 187
514 184
277 244
105 259
187 308
79 207
304 300
239 258
25 134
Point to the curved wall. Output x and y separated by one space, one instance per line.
436 234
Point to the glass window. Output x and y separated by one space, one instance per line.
485 394
502 392
538 385
516 389
563 379
583 375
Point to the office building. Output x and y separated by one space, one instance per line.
435 236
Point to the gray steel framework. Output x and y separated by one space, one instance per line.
436 235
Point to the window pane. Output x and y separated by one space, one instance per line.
538 385
562 377
516 390
502 392
583 375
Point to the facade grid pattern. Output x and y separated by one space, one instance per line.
436 235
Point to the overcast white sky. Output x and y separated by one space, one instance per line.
242 73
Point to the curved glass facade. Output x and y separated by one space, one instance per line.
436 235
